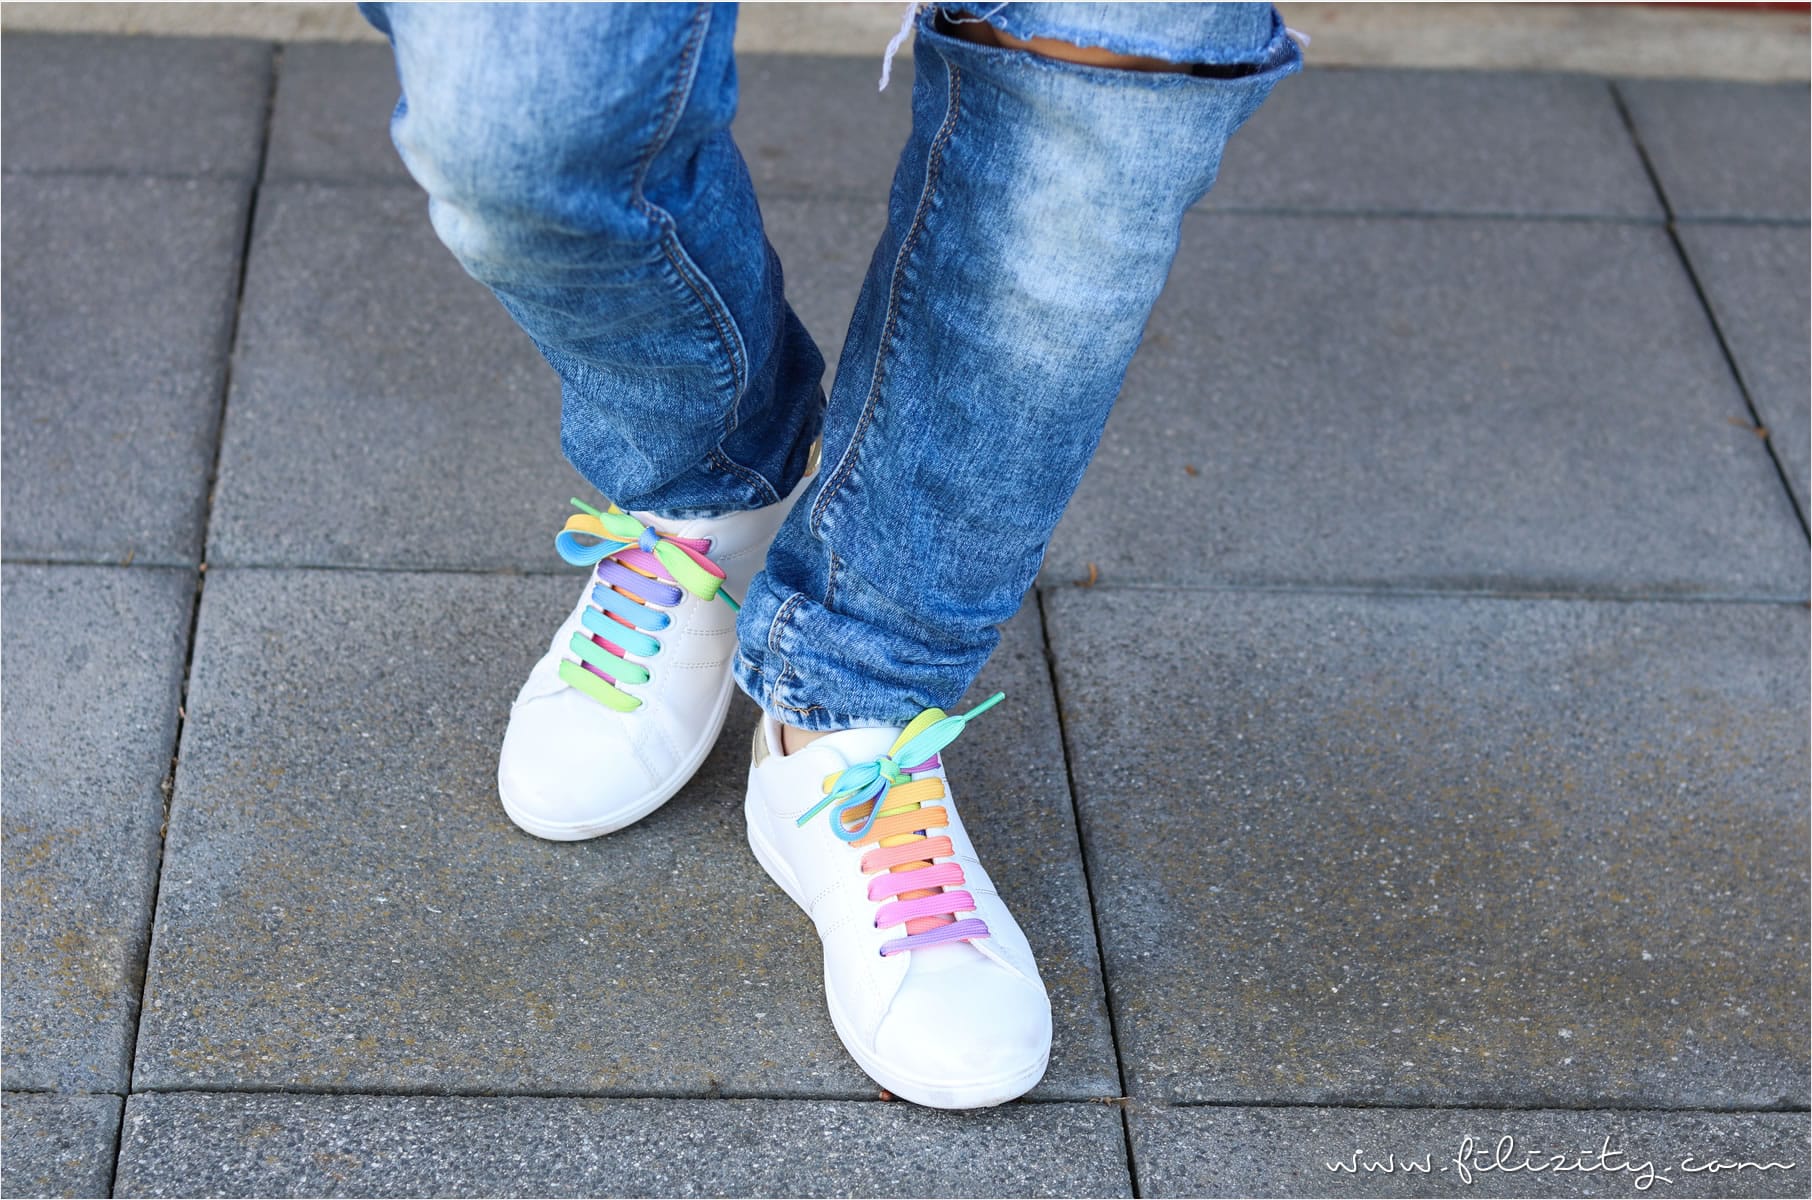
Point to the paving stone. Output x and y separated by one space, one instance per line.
375 382
332 112
816 125
156 106
369 359
58 1145
224 1145
824 248
1437 142
1755 279
1413 850
331 117
442 949
119 299
1480 404
1227 1151
93 661
1725 149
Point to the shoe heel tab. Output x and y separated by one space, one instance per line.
766 742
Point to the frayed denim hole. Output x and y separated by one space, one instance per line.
1225 70
948 15
944 18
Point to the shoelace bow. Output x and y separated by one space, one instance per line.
639 568
887 807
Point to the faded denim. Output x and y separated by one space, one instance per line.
578 161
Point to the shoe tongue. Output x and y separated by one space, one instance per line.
858 745
866 745
690 527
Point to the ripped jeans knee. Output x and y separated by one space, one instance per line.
1216 41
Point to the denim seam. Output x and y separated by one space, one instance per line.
776 626
933 169
830 576
775 630
764 491
777 702
728 336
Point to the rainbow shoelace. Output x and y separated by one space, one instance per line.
881 802
639 572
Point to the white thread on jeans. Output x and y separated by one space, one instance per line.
898 40
1298 36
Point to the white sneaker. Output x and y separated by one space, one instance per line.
630 696
931 986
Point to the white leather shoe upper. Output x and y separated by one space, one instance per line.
956 1024
573 768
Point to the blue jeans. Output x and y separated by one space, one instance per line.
578 161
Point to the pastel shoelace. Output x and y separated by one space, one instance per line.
880 802
640 571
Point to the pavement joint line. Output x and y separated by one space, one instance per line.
1705 306
1743 222
1419 214
1202 211
168 785
876 201
403 1093
30 560
1388 592
1088 883
56 1091
1489 1106
1124 1102
1380 590
124 173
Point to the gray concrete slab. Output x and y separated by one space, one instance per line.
58 1145
345 906
153 106
333 103
1411 850
119 299
374 382
824 248
818 126
224 1145
93 662
331 116
370 362
1438 142
1725 149
1229 1151
1755 278
1479 404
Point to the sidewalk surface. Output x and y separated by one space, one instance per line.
1428 759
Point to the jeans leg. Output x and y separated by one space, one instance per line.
1032 222
578 161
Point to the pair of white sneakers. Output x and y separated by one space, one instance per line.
929 980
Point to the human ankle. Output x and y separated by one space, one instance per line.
793 740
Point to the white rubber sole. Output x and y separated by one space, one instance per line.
932 1093
579 831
